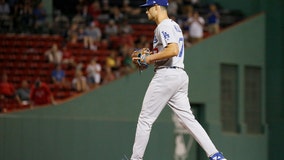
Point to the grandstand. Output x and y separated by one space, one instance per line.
22 53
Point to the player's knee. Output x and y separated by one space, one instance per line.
145 123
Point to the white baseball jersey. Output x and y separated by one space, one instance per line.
168 31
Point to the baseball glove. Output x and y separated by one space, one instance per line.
139 57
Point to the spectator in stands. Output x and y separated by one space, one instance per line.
23 93
111 29
41 94
194 3
105 9
7 89
23 13
58 76
4 8
5 19
54 55
82 37
127 64
68 58
105 43
79 35
94 9
213 19
196 24
60 24
173 7
128 10
125 27
113 62
81 4
93 35
40 15
116 14
82 14
73 33
93 71
79 82
79 19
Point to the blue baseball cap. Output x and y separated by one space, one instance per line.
153 2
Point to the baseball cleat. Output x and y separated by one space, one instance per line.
217 156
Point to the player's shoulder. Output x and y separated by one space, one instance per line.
167 24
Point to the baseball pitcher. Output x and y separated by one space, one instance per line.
169 84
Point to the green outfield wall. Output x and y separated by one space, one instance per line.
101 124
274 64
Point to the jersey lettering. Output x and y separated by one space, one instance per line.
166 35
155 39
180 41
177 28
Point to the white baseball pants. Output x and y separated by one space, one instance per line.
168 86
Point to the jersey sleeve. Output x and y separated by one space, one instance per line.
167 35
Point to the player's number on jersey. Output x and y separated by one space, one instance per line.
180 41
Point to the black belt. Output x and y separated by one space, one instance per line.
167 67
